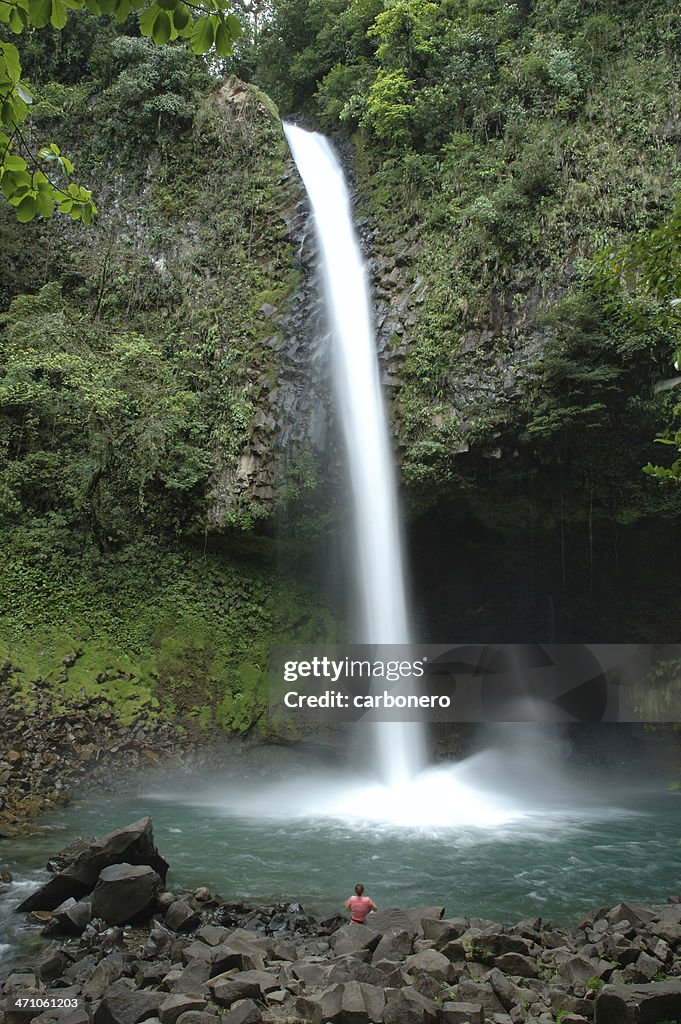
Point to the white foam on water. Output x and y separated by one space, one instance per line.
480 797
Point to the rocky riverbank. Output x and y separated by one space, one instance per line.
52 749
126 950
49 751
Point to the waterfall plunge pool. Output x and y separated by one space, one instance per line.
479 850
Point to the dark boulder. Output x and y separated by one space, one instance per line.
123 1005
639 1004
180 917
173 1006
125 892
406 1006
73 916
245 1012
349 1002
463 1013
353 937
244 985
395 944
133 844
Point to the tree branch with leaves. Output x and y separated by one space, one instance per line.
37 182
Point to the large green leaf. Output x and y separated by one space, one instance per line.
147 18
59 14
181 17
203 35
10 56
26 210
18 20
162 28
40 12
233 26
223 40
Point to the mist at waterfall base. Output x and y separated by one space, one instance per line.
519 776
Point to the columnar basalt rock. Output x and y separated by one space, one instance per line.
199 960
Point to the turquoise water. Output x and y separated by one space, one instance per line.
557 861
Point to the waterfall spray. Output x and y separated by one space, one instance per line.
378 547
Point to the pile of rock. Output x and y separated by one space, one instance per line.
47 752
131 952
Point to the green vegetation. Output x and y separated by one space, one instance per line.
37 183
503 148
520 162
132 365
152 627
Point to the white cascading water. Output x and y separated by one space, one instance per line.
380 562
491 790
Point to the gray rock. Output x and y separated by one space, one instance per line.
245 1012
506 992
639 1004
647 967
463 1013
165 900
352 937
212 934
159 940
150 974
350 968
133 844
454 950
516 963
405 1006
18 981
284 950
219 958
312 975
123 1005
80 970
104 975
244 985
430 962
51 965
208 1016
419 915
564 1001
497 943
636 913
175 1005
393 918
661 950
73 916
276 998
180 917
479 992
346 1003
445 929
125 892
577 968
395 944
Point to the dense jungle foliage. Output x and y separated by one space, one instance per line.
520 164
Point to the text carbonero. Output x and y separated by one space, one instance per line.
338 699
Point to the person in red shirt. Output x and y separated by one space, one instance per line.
359 905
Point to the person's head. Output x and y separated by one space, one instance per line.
359 889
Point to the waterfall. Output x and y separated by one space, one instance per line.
378 548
